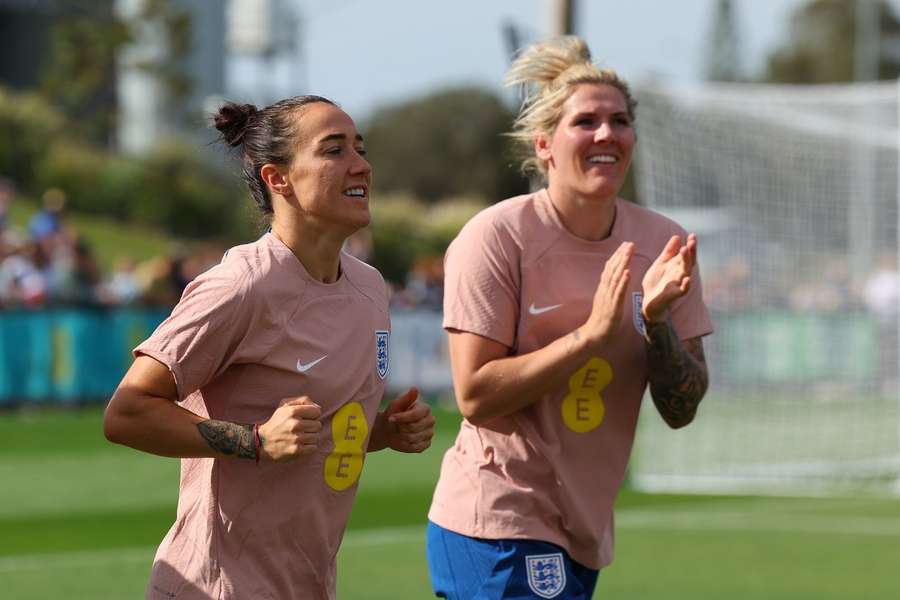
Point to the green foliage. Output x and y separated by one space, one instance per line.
86 40
94 181
80 65
443 221
405 231
446 144
173 188
821 44
27 125
396 236
182 193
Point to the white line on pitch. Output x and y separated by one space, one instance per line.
91 558
626 519
76 560
758 521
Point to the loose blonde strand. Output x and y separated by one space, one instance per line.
548 73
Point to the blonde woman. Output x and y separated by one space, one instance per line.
561 306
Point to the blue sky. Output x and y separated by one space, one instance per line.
366 53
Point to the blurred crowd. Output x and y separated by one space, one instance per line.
737 287
48 263
423 285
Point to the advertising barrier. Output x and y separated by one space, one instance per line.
76 355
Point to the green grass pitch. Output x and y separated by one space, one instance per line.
80 519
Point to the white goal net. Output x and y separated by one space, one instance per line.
793 193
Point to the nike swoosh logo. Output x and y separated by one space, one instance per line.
304 368
534 310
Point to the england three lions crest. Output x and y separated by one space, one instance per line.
382 352
546 574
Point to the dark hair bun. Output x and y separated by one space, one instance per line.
232 120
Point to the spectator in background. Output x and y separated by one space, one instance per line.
55 265
827 289
881 296
881 291
121 287
730 288
7 192
49 220
77 274
424 286
8 249
26 274
359 245
158 282
200 258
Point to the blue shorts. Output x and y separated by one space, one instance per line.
466 568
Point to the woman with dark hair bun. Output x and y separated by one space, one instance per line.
267 376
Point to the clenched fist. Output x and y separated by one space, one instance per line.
406 425
292 431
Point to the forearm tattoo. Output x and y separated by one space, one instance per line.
573 339
678 375
229 438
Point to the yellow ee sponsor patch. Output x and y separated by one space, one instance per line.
349 431
583 408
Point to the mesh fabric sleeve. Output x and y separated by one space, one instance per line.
482 282
206 332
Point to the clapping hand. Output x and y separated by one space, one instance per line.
669 277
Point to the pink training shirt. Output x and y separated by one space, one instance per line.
552 470
246 334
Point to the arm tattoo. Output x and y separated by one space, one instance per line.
678 375
573 339
229 438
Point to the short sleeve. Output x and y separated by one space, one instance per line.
206 331
482 282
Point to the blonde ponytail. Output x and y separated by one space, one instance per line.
548 73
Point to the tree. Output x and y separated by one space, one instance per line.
821 44
78 73
448 144
723 57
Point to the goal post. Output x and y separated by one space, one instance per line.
794 193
